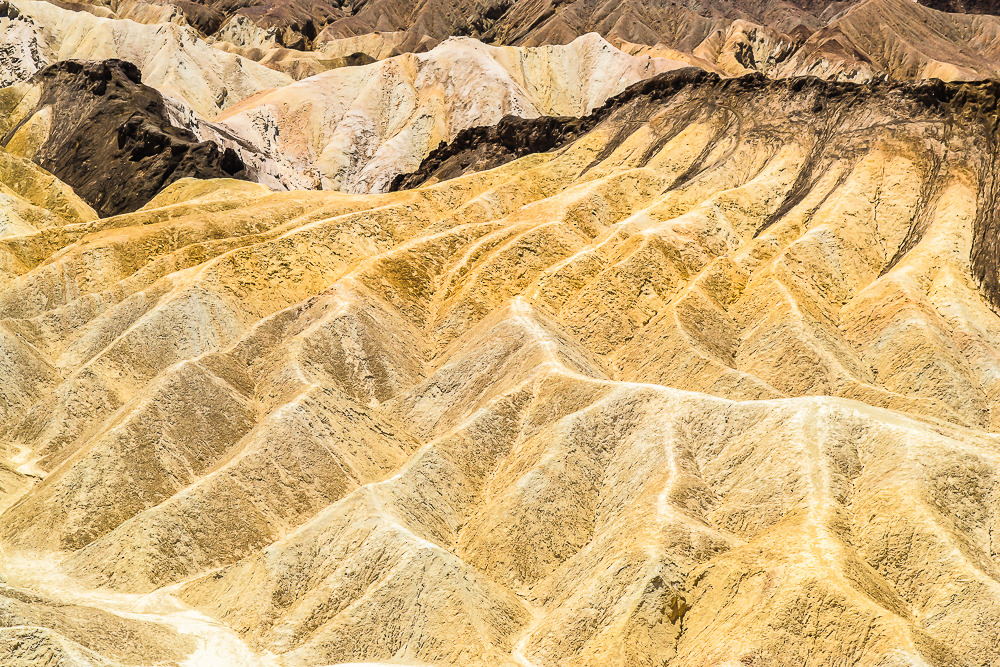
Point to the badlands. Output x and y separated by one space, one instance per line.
517 334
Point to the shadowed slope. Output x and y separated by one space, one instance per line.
98 129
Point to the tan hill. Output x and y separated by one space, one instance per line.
845 40
297 64
74 635
905 40
354 128
93 123
172 58
532 22
713 381
854 40
360 127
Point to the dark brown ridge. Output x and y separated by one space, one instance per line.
951 127
111 138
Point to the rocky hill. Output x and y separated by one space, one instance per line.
711 381
479 333
101 131
360 127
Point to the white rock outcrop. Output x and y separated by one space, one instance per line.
361 126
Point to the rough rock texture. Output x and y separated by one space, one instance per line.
973 105
35 630
361 126
535 22
485 147
292 23
333 118
297 64
849 41
34 199
172 58
100 130
20 51
378 45
846 40
34 647
903 40
356 127
964 6
853 40
713 383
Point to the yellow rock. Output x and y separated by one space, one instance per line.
713 384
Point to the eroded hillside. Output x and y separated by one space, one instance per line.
711 382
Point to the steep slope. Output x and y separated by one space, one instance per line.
964 6
297 64
35 630
904 40
292 24
34 199
172 58
95 124
714 381
852 40
846 40
534 22
359 127
353 128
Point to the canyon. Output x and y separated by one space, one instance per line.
528 334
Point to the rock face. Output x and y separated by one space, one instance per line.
353 128
903 40
359 127
479 148
352 116
846 40
712 381
852 40
172 58
100 130
35 631
293 24
20 51
629 334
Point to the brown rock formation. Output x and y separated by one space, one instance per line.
98 129
687 370
712 382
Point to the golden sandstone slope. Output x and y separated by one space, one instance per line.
714 383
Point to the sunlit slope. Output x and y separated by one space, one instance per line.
713 383
359 127
173 58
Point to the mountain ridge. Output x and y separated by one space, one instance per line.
665 337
